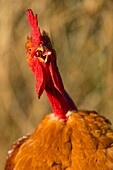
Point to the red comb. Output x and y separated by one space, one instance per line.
33 21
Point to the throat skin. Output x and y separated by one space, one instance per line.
60 102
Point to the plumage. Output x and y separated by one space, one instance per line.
67 139
84 142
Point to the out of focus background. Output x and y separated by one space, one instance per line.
82 35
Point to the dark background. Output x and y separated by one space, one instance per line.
82 35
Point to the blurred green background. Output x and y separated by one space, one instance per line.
82 35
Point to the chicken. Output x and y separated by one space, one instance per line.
67 139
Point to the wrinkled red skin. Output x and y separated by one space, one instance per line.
47 75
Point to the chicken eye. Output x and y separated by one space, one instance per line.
30 49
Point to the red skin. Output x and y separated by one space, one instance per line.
46 73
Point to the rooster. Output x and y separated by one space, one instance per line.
67 139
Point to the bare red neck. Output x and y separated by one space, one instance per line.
60 103
59 99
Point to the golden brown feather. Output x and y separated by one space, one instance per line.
84 142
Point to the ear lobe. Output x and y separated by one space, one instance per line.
40 83
56 78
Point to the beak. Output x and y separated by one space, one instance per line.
42 53
40 48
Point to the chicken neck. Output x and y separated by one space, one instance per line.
60 102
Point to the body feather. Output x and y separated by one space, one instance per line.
84 142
